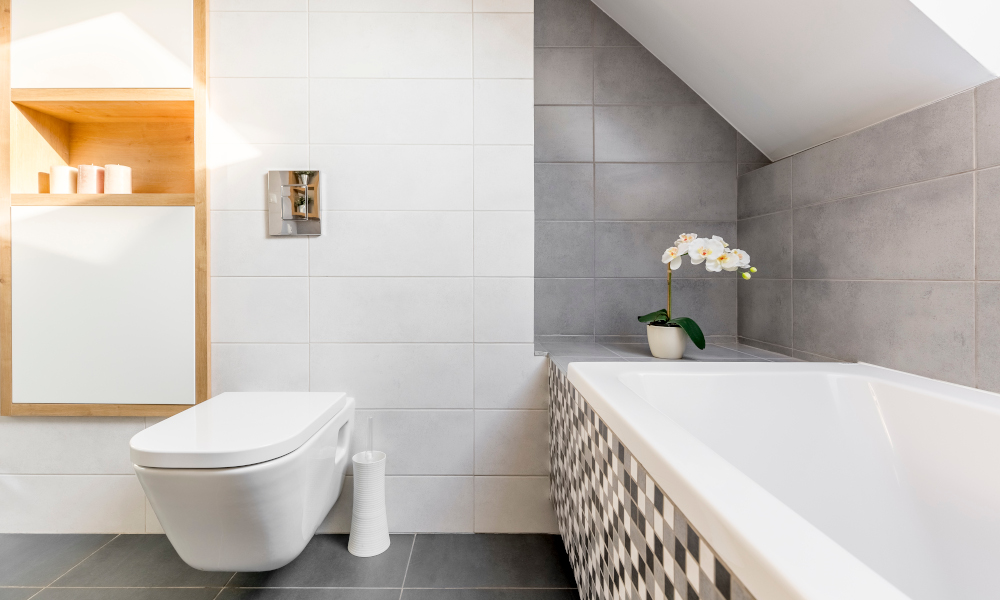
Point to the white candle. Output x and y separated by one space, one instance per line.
117 179
91 180
62 180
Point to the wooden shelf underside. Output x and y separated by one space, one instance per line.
102 200
109 105
96 410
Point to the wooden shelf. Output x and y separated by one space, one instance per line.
102 200
109 105
96 410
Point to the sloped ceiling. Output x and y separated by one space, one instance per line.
792 74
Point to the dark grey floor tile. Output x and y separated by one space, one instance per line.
28 559
127 594
570 594
139 561
326 563
17 593
489 560
301 594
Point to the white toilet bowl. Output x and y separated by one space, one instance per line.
242 481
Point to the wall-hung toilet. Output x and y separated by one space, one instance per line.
242 481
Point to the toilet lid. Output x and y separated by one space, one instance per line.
235 429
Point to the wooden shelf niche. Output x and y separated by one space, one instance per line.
150 130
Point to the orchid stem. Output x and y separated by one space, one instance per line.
670 276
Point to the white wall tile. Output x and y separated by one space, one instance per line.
423 177
505 177
388 243
512 442
504 6
390 45
391 5
511 376
430 504
259 111
514 505
260 368
505 112
238 172
71 504
391 309
505 309
239 5
241 247
419 442
391 111
395 375
260 309
67 445
258 44
504 45
505 243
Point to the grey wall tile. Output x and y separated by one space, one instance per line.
564 249
746 152
689 133
744 168
988 336
933 141
564 134
710 302
768 240
564 191
881 235
564 76
633 75
564 306
765 310
665 191
563 22
988 124
764 190
607 32
987 223
926 328
635 248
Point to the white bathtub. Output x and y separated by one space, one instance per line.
819 481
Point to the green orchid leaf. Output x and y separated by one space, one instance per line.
691 328
654 317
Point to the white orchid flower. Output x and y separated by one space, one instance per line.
729 261
703 249
744 258
672 257
713 265
720 240
684 241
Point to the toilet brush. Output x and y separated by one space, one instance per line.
369 526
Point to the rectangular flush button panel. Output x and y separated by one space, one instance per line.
293 203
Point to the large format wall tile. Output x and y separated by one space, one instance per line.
609 33
510 376
765 310
390 45
988 336
387 243
395 375
927 328
564 306
261 5
564 134
868 237
746 152
674 133
709 301
632 75
563 22
764 190
502 45
241 247
503 111
67 445
988 124
390 5
635 248
503 246
71 504
431 504
504 178
987 223
504 308
564 192
259 111
243 44
930 142
768 241
260 368
238 173
525 6
564 76
665 191
512 442
419 442
389 309
564 249
260 309
514 505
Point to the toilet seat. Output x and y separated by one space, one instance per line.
235 429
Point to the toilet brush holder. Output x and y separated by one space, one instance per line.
369 527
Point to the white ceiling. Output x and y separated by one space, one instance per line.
792 74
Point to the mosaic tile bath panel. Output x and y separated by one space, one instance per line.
625 538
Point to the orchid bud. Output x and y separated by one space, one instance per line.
753 269
746 275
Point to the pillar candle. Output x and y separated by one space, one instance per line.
117 179
91 180
62 180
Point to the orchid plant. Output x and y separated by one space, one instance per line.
716 255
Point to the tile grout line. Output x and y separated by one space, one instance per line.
223 588
116 536
402 586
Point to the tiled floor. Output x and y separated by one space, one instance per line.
415 567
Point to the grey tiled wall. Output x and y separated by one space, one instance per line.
627 156
881 246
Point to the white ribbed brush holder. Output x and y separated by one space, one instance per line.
369 527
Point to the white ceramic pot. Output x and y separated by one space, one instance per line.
666 342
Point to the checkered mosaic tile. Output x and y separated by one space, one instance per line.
625 538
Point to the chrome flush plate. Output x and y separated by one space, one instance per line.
293 203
